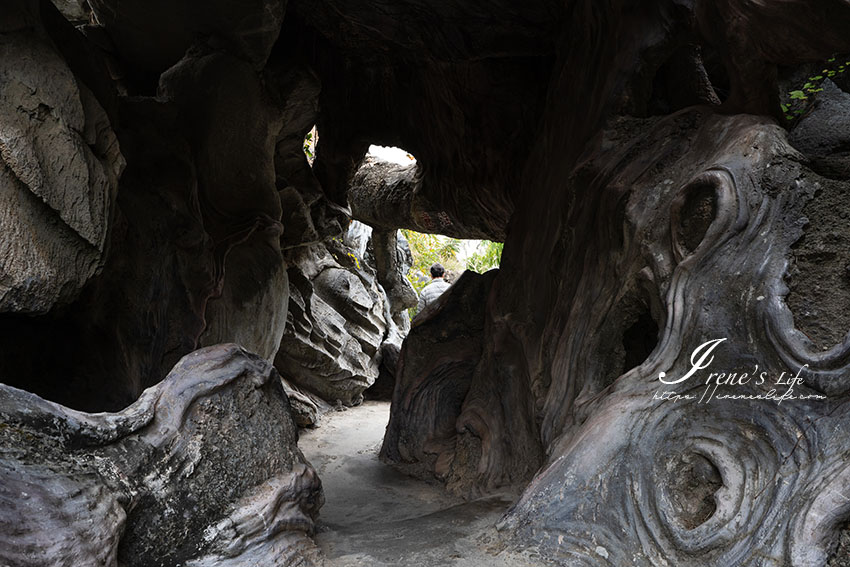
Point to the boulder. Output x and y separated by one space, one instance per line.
823 134
433 375
336 324
347 315
202 470
59 169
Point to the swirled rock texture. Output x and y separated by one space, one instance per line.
635 160
124 277
634 240
433 374
341 319
680 475
202 470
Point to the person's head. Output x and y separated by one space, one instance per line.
437 271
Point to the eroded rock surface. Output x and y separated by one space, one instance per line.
822 134
186 250
341 319
59 169
433 374
636 227
202 470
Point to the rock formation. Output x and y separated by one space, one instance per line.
433 375
203 469
59 170
155 199
341 319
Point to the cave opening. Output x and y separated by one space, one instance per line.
391 154
382 501
639 340
164 240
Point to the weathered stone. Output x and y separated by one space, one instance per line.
203 470
76 11
823 134
384 384
393 260
357 237
153 36
433 375
59 168
194 255
251 309
336 323
529 123
307 408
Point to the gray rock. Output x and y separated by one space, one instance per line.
246 313
59 168
347 317
823 134
76 11
307 408
357 237
393 260
192 257
336 323
432 386
202 470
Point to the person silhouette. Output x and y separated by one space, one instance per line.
433 290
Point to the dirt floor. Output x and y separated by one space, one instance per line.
376 516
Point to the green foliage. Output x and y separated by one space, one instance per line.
430 249
310 141
487 256
799 101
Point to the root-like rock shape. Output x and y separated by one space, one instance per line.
676 477
632 155
433 374
202 470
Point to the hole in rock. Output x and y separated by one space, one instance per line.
392 154
716 71
627 338
681 81
693 481
639 340
696 215
841 550
49 355
310 141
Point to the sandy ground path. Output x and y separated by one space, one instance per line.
376 516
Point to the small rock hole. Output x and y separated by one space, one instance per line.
693 482
639 340
697 214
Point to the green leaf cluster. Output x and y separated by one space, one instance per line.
487 256
798 101
430 249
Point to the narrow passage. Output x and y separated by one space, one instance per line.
376 516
